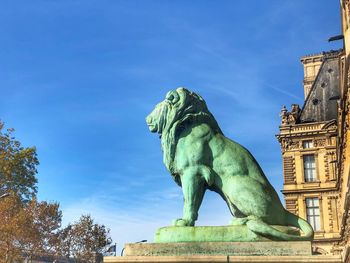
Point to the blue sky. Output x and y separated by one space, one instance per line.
77 79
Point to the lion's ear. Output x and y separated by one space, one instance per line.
172 97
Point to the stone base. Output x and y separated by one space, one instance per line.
267 248
225 259
232 233
225 252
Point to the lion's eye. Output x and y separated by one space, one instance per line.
170 97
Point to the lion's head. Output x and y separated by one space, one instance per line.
171 116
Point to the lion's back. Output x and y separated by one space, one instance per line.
230 159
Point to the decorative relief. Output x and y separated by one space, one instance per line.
337 249
348 73
326 167
332 128
343 153
344 217
289 170
284 115
345 231
332 204
284 144
289 144
292 117
346 110
294 145
330 165
319 142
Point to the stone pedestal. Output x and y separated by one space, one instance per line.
267 248
269 251
226 259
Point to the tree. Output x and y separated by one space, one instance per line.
28 229
84 240
12 228
43 228
17 166
31 228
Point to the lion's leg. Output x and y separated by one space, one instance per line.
193 187
239 218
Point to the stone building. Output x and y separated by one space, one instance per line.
343 138
308 136
315 143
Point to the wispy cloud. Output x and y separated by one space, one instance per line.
283 91
156 210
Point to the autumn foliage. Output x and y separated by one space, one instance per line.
30 228
27 229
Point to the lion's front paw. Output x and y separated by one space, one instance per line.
182 222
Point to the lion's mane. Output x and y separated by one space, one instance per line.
188 110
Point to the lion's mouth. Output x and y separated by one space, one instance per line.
156 119
152 127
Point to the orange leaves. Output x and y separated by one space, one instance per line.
13 222
27 228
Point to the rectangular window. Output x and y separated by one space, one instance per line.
313 213
307 144
309 168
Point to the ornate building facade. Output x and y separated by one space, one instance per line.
308 138
316 151
343 137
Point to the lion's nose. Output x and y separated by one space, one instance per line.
149 119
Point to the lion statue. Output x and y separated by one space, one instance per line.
199 157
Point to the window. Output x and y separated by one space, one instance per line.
307 144
309 168
313 213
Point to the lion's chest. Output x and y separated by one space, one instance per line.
193 149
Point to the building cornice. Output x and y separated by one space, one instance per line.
319 56
310 190
307 129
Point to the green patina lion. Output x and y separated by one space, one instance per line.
200 157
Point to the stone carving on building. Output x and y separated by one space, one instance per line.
284 115
290 144
292 117
289 170
319 142
294 145
333 212
330 165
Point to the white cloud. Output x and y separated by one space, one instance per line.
157 210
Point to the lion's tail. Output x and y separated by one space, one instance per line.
262 228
